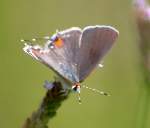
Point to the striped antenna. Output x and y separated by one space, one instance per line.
36 39
41 38
96 90
79 98
25 41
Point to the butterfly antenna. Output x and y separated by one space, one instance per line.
41 38
25 41
79 98
96 90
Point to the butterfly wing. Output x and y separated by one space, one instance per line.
95 42
61 60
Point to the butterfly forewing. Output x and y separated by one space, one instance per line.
94 44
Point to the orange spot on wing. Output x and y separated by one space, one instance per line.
59 43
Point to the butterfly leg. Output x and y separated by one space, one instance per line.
76 88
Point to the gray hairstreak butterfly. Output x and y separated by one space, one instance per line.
74 53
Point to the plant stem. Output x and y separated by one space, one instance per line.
50 103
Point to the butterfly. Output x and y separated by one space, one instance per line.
74 53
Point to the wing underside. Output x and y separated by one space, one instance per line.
80 54
61 60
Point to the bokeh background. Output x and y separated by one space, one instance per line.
22 78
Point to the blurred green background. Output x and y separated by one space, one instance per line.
21 77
